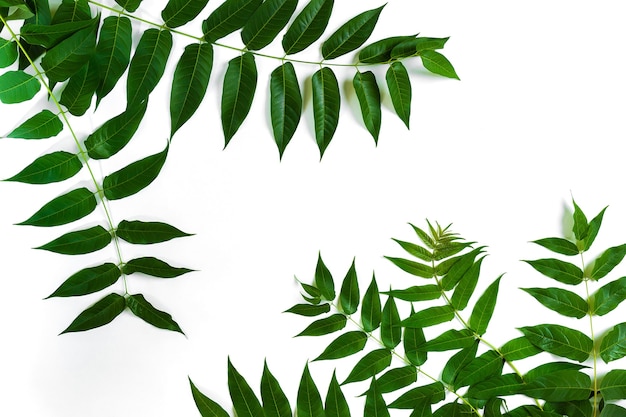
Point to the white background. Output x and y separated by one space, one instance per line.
537 117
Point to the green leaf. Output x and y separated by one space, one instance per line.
519 348
368 94
17 86
390 325
309 310
134 177
507 384
275 402
191 79
416 293
285 104
460 265
308 26
449 340
438 64
380 51
562 301
608 297
326 105
593 229
609 259
453 410
484 307
580 408
559 340
8 52
266 22
412 340
427 240
79 242
44 124
416 250
114 134
179 12
566 385
139 232
245 403
414 268
147 65
54 167
141 308
72 11
422 409
309 401
375 405
130 5
112 53
206 406
561 271
50 35
77 94
414 46
429 317
371 308
466 286
558 245
325 326
432 393
397 378
64 209
88 280
349 294
581 227
457 362
336 404
613 344
345 345
613 385
99 314
228 17
485 366
238 92
351 34
369 365
154 267
550 368
399 86
66 58
324 280
612 410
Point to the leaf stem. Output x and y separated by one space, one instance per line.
594 353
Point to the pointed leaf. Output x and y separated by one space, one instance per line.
612 410
238 92
375 405
390 325
558 245
449 340
613 344
430 317
77 94
154 267
371 308
228 17
349 295
457 362
397 378
275 402
368 94
466 286
559 340
50 35
519 348
416 46
79 242
308 26
613 385
380 51
130 5
99 314
53 167
88 280
453 410
8 53
507 384
324 326
551 368
324 280
285 104
309 310
345 345
416 293
483 309
326 105
493 408
560 386
399 86
309 401
351 34
179 12
432 393
608 297
416 250
17 86
64 209
134 177
438 64
412 340
336 404
459 265
427 240
139 232
141 308
581 227
369 365
245 403
422 409
206 406
562 301
191 79
593 229
66 58
266 22
609 259
44 124
485 366
561 271
112 53
414 268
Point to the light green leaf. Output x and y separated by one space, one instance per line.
558 245
191 79
64 209
613 344
79 242
438 64
309 401
416 250
141 308
429 317
519 348
309 310
238 92
423 236
17 86
130 5
345 345
415 46
275 402
351 34
414 268
466 286
390 325
581 227
368 94
206 406
559 340
266 22
112 53
79 90
371 308
54 167
459 266
449 340
502 385
245 403
369 365
399 86
457 362
179 12
609 259
412 340
325 326
44 124
88 280
561 271
349 294
66 58
99 314
484 307
562 301
613 385
397 378
380 51
375 405
326 106
336 404
228 17
593 229
285 104
432 393
308 26
134 177
50 35
566 385
8 53
485 366
152 266
416 293
139 232
608 297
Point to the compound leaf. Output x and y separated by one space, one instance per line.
228 17
152 266
88 280
64 209
141 308
112 53
44 124
285 104
79 242
266 22
351 34
99 314
349 294
179 12
368 94
139 232
17 86
345 345
308 26
54 167
238 92
399 86
326 106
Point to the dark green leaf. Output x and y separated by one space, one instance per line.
142 233
613 385
612 410
448 249
312 290
438 64
466 286
390 328
427 240
369 365
336 404
422 409
609 259
483 310
519 348
309 401
191 79
72 11
227 18
309 310
44 124
21 12
238 92
460 265
397 378
432 393
114 134
351 34
493 408
368 94
416 293
79 242
206 406
566 385
558 245
453 410
285 104
415 46
53 167
66 58
608 297
99 314
154 267
430 316
324 280
412 267
375 405
412 340
449 340
457 362
559 340
8 52
562 301
324 326
371 308
399 86
485 366
416 250
275 402
112 53
613 344
550 368
134 177
17 86
77 94
326 105
50 35
147 65
345 345
349 294
581 227
593 229
245 403
130 5
88 280
148 313
308 26
266 22
507 384
561 271
179 12
380 51
64 209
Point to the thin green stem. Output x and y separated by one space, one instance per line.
594 353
